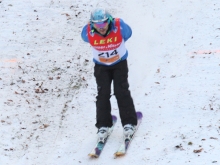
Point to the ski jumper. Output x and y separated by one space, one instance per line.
109 55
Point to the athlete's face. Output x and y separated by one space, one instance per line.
102 28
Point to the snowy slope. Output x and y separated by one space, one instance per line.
47 98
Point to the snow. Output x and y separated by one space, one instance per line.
47 98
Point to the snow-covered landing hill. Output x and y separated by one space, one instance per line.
47 98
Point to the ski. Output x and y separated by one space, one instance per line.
124 146
96 152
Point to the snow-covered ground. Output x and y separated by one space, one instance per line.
47 98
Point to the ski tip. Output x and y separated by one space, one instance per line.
139 115
93 155
118 154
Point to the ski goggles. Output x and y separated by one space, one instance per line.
101 25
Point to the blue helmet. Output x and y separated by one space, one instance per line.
99 15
